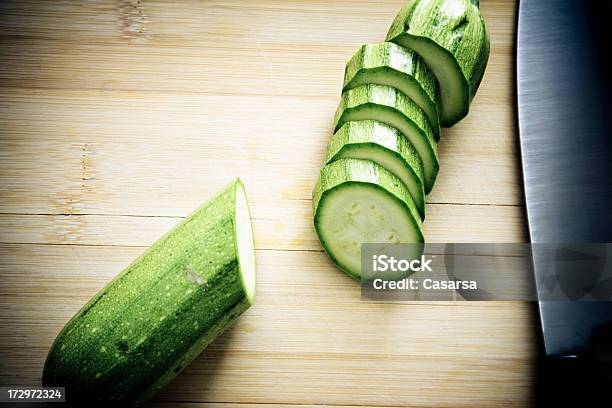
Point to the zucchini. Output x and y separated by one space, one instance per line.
385 145
156 316
451 36
392 107
392 65
358 201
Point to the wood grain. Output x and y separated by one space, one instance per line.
117 118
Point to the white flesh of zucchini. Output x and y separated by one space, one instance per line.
244 243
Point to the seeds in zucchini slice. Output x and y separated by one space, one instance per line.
452 38
138 332
385 145
392 65
392 107
358 201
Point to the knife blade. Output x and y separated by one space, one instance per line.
564 97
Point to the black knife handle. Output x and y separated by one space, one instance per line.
582 380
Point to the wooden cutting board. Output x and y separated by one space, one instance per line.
117 118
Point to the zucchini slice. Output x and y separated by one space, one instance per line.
452 38
392 65
392 107
138 332
385 145
357 201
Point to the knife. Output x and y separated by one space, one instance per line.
564 96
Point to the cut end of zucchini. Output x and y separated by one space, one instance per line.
451 36
244 242
358 201
454 89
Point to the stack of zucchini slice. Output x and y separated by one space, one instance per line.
383 156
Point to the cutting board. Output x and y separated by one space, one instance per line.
118 118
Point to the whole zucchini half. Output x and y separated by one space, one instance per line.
358 201
452 38
392 65
156 316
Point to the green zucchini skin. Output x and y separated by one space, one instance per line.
389 64
345 174
458 30
138 332
392 107
359 139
